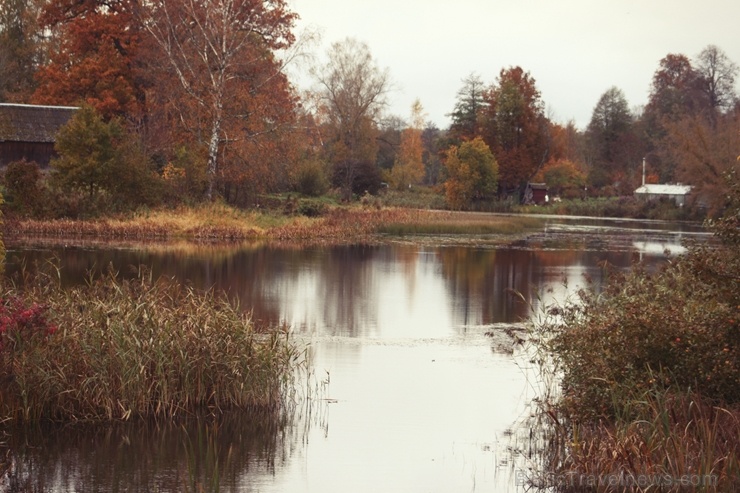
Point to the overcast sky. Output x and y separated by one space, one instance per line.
574 49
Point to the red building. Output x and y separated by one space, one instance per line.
535 193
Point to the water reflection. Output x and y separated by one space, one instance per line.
198 454
357 291
418 398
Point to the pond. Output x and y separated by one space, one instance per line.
419 386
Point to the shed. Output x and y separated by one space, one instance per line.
535 193
677 193
29 131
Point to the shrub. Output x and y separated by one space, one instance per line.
677 328
311 179
366 176
311 209
26 193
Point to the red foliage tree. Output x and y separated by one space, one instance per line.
515 127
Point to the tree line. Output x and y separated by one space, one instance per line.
189 100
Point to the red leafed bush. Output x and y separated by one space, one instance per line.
21 323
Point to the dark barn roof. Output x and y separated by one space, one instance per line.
30 123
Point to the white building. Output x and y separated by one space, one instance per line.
677 193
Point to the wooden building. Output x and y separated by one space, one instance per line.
29 131
535 193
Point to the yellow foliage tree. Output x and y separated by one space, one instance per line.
563 177
409 166
472 173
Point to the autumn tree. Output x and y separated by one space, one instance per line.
352 91
431 138
563 177
607 138
24 189
21 48
472 173
675 90
685 91
93 56
515 128
389 141
705 153
566 142
717 75
466 116
675 93
221 56
409 166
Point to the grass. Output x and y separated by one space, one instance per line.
115 350
417 198
450 223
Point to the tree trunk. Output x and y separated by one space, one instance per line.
212 159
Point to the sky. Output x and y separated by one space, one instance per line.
574 49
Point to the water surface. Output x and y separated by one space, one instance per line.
415 396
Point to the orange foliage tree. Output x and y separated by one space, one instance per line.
225 83
705 154
93 56
21 48
409 166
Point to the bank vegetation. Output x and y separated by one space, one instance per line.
648 372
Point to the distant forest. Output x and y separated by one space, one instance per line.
189 101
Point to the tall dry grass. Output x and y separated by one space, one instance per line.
115 349
675 442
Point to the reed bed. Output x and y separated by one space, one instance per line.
212 222
218 222
115 349
359 223
80 229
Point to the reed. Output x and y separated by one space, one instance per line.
115 349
